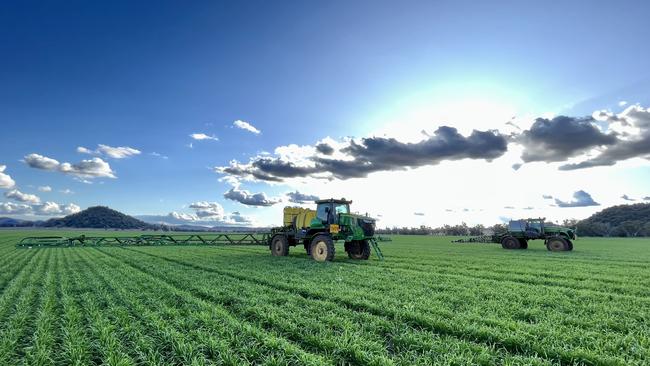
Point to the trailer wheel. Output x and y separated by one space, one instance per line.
557 244
322 248
280 246
510 242
523 244
358 249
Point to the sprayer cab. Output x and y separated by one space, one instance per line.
318 230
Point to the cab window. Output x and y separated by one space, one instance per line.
321 212
341 208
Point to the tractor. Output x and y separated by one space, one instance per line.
317 230
519 232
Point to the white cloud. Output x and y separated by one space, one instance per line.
205 214
45 189
71 208
250 199
119 152
66 191
41 162
622 103
158 155
5 179
9 208
42 209
208 210
202 136
93 168
19 196
246 126
52 208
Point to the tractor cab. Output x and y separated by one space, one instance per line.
328 211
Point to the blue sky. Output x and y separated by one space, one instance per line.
146 76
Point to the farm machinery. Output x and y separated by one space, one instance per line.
317 230
519 232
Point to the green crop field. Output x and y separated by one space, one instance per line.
430 302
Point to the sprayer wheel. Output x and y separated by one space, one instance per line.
358 249
279 246
523 244
510 242
322 248
557 244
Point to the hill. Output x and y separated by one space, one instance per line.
99 217
621 220
11 222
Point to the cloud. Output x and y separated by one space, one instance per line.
622 103
418 213
158 155
66 191
547 197
53 208
44 209
297 197
93 168
9 208
516 166
250 199
5 179
509 207
560 138
208 210
202 136
19 196
45 189
237 218
324 148
205 214
627 198
633 128
41 162
646 198
119 152
580 199
358 159
246 126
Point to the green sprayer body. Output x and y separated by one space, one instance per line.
519 232
317 230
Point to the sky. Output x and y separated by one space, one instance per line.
421 113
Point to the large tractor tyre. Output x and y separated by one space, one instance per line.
570 244
523 244
358 249
279 246
510 242
557 244
322 248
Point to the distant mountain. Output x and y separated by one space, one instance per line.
10 222
621 220
99 217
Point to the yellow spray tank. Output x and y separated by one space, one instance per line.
299 216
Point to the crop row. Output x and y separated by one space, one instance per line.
321 326
540 326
